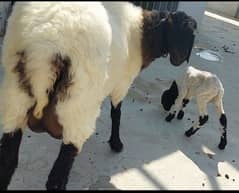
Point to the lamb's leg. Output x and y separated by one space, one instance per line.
9 150
222 120
181 112
178 104
174 110
203 118
223 140
115 142
59 174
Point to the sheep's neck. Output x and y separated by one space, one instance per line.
152 43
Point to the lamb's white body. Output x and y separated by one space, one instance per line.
104 44
204 86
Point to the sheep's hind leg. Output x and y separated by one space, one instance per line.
115 143
9 151
59 174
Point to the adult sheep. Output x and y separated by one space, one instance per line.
61 59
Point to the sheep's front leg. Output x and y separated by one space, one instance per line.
115 142
203 118
9 150
59 174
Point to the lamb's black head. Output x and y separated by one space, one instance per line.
179 36
169 96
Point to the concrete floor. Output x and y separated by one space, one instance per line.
156 155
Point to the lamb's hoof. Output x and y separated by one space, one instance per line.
169 117
222 145
189 132
56 183
116 145
180 115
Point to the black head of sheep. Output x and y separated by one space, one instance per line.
166 34
180 36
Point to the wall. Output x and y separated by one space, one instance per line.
4 10
228 8
193 8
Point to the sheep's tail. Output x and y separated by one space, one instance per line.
49 80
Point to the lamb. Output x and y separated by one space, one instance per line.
206 88
62 59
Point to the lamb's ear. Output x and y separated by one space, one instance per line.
174 85
174 89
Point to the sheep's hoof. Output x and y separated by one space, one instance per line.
116 145
222 144
170 117
180 115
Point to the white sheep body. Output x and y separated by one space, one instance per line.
104 44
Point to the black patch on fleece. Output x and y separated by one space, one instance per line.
61 66
223 120
20 70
